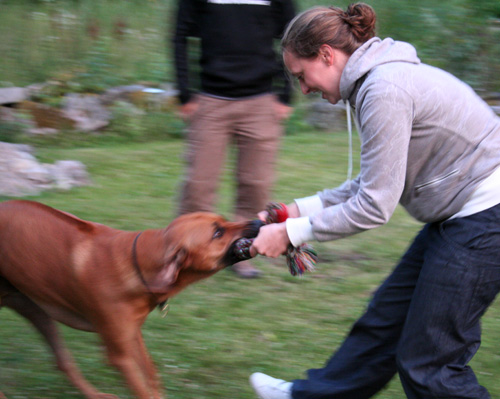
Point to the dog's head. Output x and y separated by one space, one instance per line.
200 244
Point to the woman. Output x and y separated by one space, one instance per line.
431 144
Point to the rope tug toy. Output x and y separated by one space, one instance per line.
298 260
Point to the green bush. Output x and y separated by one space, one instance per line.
10 132
100 42
459 36
90 45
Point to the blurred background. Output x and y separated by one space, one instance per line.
89 46
96 43
221 330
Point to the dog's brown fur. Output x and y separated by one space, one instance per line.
54 266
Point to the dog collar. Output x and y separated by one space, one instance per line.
163 306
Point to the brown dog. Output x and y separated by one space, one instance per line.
54 266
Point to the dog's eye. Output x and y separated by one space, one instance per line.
218 233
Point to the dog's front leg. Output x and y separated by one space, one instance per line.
148 366
127 352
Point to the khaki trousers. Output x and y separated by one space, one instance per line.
253 127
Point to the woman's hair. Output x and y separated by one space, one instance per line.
342 30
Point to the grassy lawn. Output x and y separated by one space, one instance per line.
224 328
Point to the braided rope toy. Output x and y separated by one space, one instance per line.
242 249
298 260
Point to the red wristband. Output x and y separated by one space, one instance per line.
277 212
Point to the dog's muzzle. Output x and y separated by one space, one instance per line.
240 249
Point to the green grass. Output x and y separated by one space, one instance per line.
223 328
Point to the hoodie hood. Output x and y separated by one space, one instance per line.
373 53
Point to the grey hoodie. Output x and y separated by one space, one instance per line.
427 142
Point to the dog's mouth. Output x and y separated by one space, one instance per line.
240 248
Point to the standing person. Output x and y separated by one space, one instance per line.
427 142
244 99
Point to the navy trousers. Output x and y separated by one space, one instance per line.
424 320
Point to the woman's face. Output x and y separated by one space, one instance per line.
320 74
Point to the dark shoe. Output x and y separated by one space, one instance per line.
246 270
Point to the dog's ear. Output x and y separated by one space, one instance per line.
175 261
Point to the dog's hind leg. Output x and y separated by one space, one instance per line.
18 302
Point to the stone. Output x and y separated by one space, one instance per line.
21 174
120 93
12 95
325 116
68 174
150 98
86 111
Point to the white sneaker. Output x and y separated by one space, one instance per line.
268 387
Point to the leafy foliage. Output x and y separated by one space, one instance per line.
460 36
104 42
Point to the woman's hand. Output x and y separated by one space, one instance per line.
292 210
272 241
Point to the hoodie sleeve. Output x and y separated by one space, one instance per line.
385 115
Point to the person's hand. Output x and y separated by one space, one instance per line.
271 241
292 209
283 111
187 110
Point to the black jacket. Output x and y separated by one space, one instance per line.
238 57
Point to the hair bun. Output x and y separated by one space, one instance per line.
361 18
342 30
